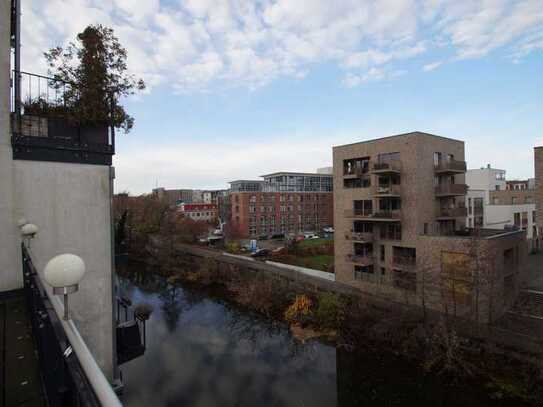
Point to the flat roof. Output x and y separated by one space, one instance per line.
412 133
312 174
245 180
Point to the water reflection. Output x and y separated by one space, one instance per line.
201 352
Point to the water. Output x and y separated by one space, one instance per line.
203 351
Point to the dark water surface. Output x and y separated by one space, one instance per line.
204 352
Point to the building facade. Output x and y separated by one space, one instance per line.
496 203
283 203
205 212
400 226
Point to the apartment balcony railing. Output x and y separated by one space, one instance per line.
45 128
389 167
386 190
386 216
450 167
359 236
360 259
444 190
404 261
70 375
456 212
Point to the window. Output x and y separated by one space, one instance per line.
514 200
391 232
388 157
362 227
516 219
252 198
356 166
363 249
382 254
437 159
363 207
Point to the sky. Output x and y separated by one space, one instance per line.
237 89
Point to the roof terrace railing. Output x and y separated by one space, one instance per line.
45 127
70 374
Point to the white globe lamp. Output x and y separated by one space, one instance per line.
64 273
21 222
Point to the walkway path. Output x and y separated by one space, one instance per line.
20 383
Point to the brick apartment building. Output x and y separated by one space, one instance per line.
399 216
283 202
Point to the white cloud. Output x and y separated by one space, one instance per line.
197 44
432 66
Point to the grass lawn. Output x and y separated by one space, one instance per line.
319 262
315 242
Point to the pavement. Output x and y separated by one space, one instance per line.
20 382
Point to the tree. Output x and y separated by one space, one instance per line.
96 70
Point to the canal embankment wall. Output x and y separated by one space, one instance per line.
520 340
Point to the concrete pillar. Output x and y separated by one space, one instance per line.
10 256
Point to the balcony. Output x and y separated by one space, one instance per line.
381 216
386 190
446 190
44 126
452 213
365 237
52 361
389 167
405 262
360 259
450 167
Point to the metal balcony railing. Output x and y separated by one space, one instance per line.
46 127
70 375
450 166
361 259
451 189
359 236
355 171
386 190
455 212
381 215
393 166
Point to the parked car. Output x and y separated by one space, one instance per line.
311 236
328 229
260 253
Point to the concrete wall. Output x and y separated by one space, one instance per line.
70 203
10 256
497 216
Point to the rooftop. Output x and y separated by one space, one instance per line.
311 174
410 134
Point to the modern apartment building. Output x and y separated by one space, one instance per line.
399 216
283 202
495 203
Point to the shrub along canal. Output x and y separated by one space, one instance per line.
204 351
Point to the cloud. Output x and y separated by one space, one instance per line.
432 66
196 45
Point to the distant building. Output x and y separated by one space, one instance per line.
283 202
174 196
325 170
493 202
199 211
399 218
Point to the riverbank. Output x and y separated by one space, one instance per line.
435 348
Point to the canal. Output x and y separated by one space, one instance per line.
203 351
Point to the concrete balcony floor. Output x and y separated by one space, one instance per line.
20 382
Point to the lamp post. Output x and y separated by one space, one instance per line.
28 230
64 273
